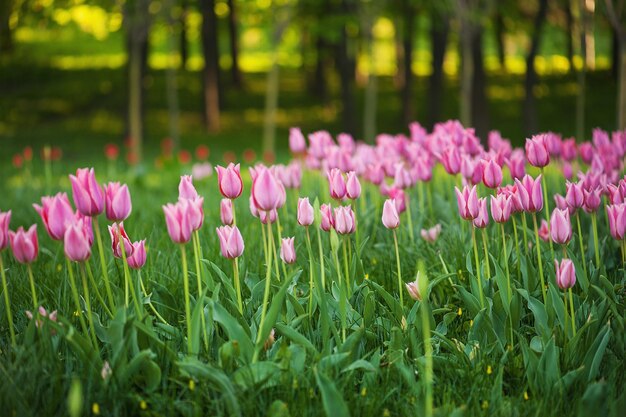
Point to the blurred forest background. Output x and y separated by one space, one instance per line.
236 74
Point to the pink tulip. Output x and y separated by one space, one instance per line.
76 243
492 174
560 226
565 273
592 200
530 193
467 201
268 216
431 235
306 214
118 204
287 250
43 314
574 195
117 232
451 160
569 150
328 221
177 219
297 143
138 259
617 220
353 186
413 289
229 180
336 184
186 188
87 193
56 213
226 211
391 220
501 208
517 165
544 232
561 203
231 241
399 197
345 223
375 174
537 151
24 244
586 151
266 190
482 220
196 212
5 219
402 177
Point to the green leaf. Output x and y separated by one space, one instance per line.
359 364
232 327
296 337
333 402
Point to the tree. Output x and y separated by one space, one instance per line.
439 29
6 37
615 13
210 73
234 44
409 12
345 62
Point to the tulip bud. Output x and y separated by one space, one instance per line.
327 217
297 143
186 188
75 243
345 223
88 194
537 151
501 208
353 186
56 212
431 235
482 220
266 190
118 203
226 211
530 193
229 180
231 241
560 226
617 220
565 273
336 184
592 200
467 202
492 174
177 219
391 220
305 212
544 232
138 259
119 237
574 195
5 219
413 288
287 250
24 244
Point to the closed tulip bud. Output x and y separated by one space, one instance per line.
402 177
586 151
501 208
375 174
56 213
517 165
431 235
138 259
24 244
119 238
560 226
565 273
353 186
288 250
178 221
617 220
399 197
226 211
297 143
186 188
118 204
592 200
530 193
229 180
75 243
492 174
268 216
544 232
87 193
231 241
537 151
574 195
336 184
305 212
482 220
451 160
413 288
266 190
467 201
5 219
196 212
391 220
282 195
345 222
328 221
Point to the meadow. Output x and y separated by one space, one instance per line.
401 295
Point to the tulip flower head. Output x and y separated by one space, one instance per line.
617 220
297 143
431 235
231 241
565 273
305 212
345 223
43 314
229 180
451 160
482 220
138 259
537 151
467 201
492 174
268 216
177 219
544 232
24 244
87 193
76 244
391 219
118 203
530 193
266 189
574 195
287 250
56 212
336 184
186 188
5 219
413 288
501 208
353 186
592 200
226 211
119 238
560 226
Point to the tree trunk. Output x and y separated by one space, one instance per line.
479 103
184 45
319 88
6 37
588 8
621 98
171 81
615 54
440 27
467 64
570 33
345 67
407 46
500 30
371 90
234 44
210 73
137 30
529 110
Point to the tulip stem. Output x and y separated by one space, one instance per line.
127 283
32 288
322 269
547 209
346 268
428 355
79 309
420 196
234 214
539 263
342 296
310 251
266 294
594 222
183 255
571 307
395 242
237 286
7 302
480 284
280 240
486 252
196 253
95 286
145 293
430 200
525 226
92 329
519 255
409 217
105 272
580 242
508 277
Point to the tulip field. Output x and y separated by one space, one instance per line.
428 274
